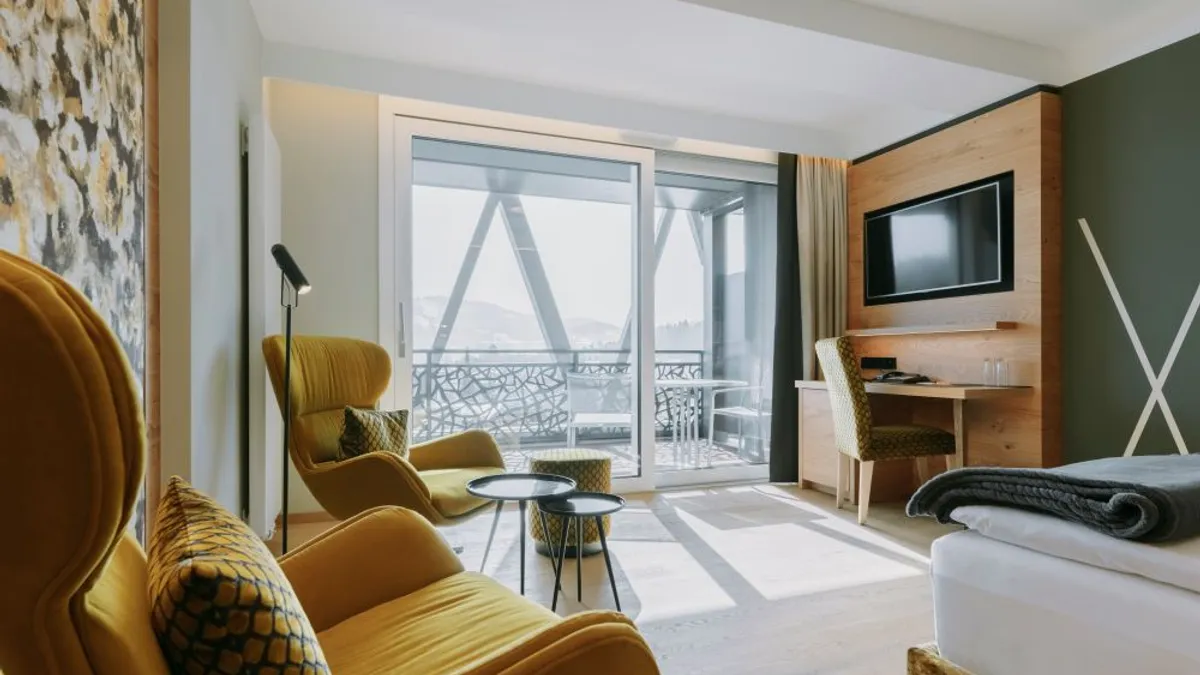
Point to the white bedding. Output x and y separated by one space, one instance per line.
1176 563
1007 610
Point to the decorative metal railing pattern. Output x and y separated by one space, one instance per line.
524 393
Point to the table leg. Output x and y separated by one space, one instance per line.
960 436
562 556
676 426
521 545
549 545
492 534
612 579
711 402
578 558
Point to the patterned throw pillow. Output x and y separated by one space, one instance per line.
221 604
374 431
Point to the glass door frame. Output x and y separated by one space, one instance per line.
396 248
736 170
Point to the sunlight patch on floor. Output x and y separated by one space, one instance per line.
853 530
787 559
667 580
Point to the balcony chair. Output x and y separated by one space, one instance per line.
744 405
598 402
330 373
382 591
854 435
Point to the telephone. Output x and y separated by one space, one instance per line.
897 377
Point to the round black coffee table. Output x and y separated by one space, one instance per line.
520 488
574 508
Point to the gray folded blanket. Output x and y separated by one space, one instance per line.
1151 498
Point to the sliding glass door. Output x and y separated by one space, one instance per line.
560 293
714 322
519 260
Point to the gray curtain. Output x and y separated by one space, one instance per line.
788 360
821 233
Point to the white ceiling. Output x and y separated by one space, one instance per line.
868 72
1049 23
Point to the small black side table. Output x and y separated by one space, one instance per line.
520 488
574 509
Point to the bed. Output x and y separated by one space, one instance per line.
1084 603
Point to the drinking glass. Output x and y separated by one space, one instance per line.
989 372
1001 372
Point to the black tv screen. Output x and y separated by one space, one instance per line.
953 243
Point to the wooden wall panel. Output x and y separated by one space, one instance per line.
1023 137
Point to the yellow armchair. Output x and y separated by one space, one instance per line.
383 590
329 373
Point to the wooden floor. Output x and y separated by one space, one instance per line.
753 580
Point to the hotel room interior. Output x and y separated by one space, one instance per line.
579 337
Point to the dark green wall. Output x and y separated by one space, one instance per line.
1132 169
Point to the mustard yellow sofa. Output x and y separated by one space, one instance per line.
330 373
384 592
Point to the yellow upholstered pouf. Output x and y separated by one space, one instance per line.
592 472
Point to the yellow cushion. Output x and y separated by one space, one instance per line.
448 489
220 602
441 628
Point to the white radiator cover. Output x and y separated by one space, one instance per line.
266 318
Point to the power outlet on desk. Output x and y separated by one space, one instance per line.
879 363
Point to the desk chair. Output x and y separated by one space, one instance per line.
856 438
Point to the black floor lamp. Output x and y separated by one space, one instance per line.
292 284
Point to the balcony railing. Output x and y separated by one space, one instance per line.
522 394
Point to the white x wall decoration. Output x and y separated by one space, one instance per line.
1156 380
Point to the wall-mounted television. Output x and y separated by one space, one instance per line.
953 243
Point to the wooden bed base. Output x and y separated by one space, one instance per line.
925 660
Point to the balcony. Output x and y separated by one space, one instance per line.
520 397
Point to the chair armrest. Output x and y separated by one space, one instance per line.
589 643
472 448
352 486
731 390
377 556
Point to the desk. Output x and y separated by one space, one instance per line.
818 455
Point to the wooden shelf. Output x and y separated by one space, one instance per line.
929 330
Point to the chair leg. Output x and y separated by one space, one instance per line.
924 469
840 486
865 471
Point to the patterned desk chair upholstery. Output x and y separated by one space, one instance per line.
856 438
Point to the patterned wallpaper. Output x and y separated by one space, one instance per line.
72 152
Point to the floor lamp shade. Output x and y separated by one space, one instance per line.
292 284
289 268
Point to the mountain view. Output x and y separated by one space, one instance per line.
484 326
